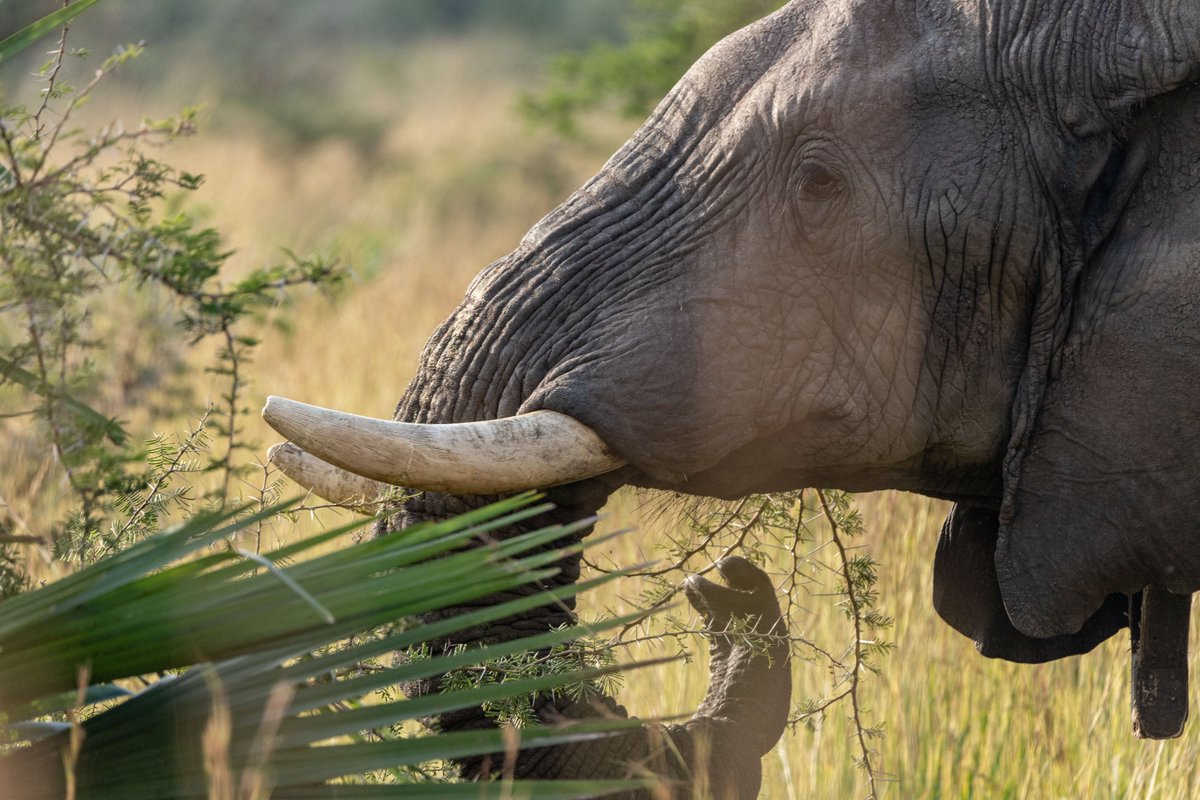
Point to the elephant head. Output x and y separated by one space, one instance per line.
945 246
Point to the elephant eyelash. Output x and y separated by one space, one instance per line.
818 182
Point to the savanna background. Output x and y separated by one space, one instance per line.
414 142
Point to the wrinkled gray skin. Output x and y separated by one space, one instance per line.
950 247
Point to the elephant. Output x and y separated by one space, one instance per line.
942 246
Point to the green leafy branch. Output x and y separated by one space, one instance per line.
588 655
83 218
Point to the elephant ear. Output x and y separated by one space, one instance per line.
1101 479
1137 50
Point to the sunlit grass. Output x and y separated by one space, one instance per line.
455 183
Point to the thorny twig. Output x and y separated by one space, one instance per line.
856 666
52 78
234 375
188 446
680 564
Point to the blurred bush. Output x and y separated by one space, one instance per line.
663 39
299 65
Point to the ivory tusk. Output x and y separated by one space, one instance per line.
528 451
334 484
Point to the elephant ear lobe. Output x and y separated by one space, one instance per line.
966 593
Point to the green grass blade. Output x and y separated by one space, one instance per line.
98 693
140 613
310 764
131 771
154 624
325 694
295 588
31 33
31 609
321 727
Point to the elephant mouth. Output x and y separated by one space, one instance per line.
350 460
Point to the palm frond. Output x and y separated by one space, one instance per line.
270 660
17 42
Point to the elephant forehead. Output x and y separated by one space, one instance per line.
869 34
850 71
809 44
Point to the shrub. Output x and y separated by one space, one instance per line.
91 226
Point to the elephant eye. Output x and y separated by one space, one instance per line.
818 182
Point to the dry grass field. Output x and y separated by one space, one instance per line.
454 181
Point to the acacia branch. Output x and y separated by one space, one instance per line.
188 446
48 94
855 673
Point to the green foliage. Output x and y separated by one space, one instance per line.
586 663
88 220
149 502
665 38
266 700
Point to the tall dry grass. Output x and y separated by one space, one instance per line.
455 183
